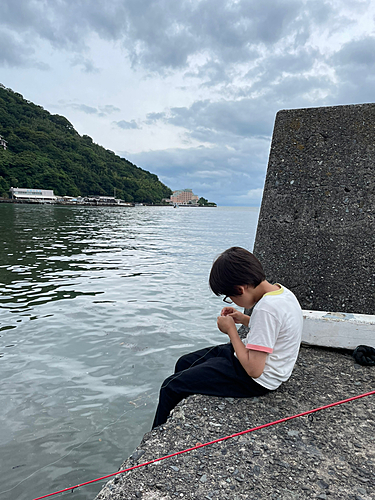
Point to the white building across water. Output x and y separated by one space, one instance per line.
36 195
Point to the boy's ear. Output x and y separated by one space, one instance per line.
240 289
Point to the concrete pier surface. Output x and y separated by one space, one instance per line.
330 455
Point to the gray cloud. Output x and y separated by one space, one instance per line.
296 62
357 52
126 125
20 14
227 31
90 110
85 109
294 91
52 21
213 73
86 64
14 53
222 121
354 66
154 117
164 34
109 108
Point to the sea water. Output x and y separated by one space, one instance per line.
96 305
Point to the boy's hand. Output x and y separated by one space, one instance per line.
238 317
226 324
228 310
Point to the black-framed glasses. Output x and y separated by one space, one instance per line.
227 300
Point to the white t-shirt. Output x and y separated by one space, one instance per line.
276 328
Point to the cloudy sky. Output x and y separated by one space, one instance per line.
188 89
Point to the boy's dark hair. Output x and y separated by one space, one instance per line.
233 268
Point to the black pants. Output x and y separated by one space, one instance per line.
214 371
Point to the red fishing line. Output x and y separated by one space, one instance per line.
210 442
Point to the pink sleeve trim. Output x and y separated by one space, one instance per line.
253 347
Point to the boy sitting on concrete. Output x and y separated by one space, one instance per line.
240 369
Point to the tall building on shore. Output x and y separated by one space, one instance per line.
184 196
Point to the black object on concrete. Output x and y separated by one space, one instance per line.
316 229
364 355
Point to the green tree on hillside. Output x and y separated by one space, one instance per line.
202 202
45 151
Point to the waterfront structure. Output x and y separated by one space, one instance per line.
70 200
184 196
30 195
3 143
33 195
105 200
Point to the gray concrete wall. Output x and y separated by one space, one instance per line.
316 230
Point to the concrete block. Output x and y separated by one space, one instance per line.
337 329
316 229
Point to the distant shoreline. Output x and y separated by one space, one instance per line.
121 205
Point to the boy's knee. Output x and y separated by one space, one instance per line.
182 363
170 390
168 384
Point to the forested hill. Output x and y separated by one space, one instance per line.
45 152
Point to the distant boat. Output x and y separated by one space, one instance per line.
175 205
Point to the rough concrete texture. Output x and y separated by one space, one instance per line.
316 230
328 456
